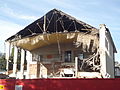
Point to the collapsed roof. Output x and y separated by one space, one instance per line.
52 22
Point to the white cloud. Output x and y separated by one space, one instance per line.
7 29
38 6
8 11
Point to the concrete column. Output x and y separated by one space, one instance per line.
102 48
22 63
7 56
29 59
15 61
28 70
76 66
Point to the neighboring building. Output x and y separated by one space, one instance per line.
117 70
58 45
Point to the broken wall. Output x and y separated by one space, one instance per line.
106 53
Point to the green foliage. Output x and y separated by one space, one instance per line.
2 63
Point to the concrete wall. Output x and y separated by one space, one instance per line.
109 57
43 52
106 53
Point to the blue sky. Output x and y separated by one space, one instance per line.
16 14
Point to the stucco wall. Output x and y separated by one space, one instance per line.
106 53
109 57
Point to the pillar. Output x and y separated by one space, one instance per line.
76 66
7 56
22 63
102 48
29 59
15 61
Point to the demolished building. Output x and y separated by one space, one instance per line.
59 45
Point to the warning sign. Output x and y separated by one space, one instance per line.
1 87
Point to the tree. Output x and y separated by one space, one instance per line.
2 63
